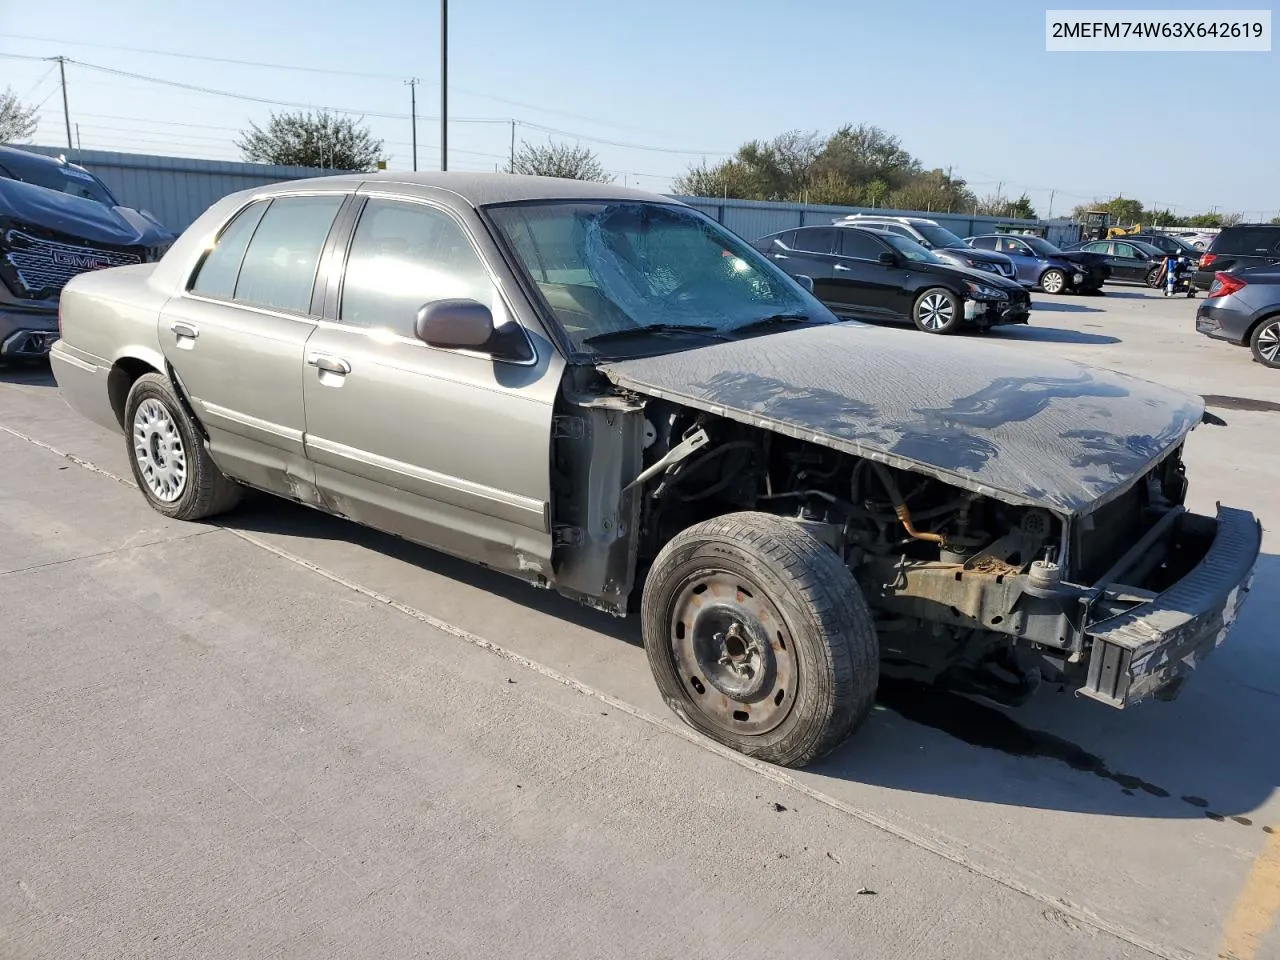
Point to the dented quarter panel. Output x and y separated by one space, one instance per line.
1027 430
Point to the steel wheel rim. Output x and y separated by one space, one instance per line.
158 451
1052 282
1269 342
936 311
733 654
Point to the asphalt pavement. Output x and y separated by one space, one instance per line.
282 735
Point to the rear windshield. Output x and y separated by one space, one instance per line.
1247 240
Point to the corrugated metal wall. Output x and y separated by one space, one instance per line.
175 190
753 219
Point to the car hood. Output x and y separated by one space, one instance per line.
79 217
1002 422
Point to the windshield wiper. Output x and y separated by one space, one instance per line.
698 329
773 320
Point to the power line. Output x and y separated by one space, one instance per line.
332 72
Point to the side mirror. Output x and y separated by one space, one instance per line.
888 259
804 281
456 324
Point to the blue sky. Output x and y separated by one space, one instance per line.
963 84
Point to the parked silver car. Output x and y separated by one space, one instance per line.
594 388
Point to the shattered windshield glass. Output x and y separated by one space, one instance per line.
612 268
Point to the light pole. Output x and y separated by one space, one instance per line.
413 115
444 84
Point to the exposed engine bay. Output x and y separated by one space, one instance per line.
987 596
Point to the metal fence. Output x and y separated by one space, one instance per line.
752 219
175 190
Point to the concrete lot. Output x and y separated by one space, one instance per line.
287 736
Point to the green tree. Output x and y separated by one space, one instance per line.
1160 218
997 206
1275 220
322 139
1231 219
1205 220
17 123
932 192
865 153
570 161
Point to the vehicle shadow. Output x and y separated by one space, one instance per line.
1131 294
263 513
27 372
1208 753
1059 306
1054 335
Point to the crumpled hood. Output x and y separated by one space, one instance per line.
79 217
1004 422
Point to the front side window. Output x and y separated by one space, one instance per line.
1012 247
216 276
859 244
1098 246
279 269
912 250
1042 246
404 255
983 243
613 267
1126 250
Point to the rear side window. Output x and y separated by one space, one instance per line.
1013 247
217 274
983 243
404 255
817 240
279 268
1247 241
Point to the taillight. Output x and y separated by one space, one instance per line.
1225 284
1207 259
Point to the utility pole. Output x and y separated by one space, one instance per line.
444 84
77 136
66 112
513 147
1050 216
412 83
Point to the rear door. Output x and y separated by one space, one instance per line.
447 447
861 284
236 337
813 255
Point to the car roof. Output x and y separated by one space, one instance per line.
479 189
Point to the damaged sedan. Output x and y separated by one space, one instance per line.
605 393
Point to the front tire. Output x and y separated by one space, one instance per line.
1265 342
759 638
1153 277
170 463
1053 281
937 310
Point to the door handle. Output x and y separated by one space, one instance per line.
842 268
322 361
181 329
780 256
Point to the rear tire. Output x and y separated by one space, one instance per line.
167 455
759 638
1053 281
937 310
1265 342
1153 277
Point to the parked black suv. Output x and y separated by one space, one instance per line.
1237 248
873 275
931 235
1166 243
57 220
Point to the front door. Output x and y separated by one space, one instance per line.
864 286
811 256
236 339
448 448
1026 264
1128 262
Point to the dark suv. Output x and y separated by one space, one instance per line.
57 220
874 275
1167 244
1237 248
